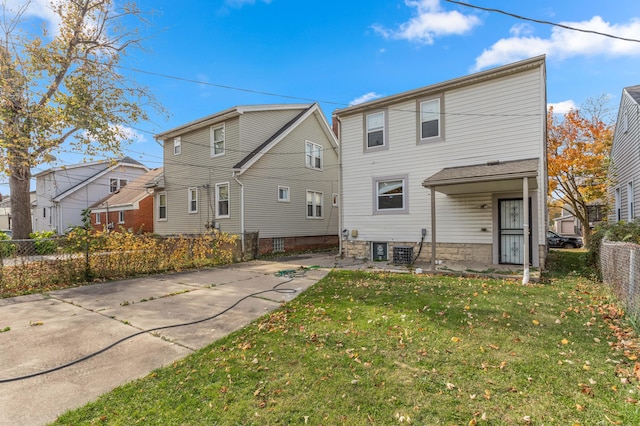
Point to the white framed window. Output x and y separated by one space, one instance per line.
193 200
162 206
177 145
390 195
222 200
217 140
375 130
430 119
313 154
630 212
116 184
283 194
334 199
121 216
314 205
98 219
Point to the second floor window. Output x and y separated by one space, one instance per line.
430 119
116 184
217 141
375 129
177 145
193 200
313 153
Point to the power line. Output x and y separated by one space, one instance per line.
540 21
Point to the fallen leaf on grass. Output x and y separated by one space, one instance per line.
535 322
564 341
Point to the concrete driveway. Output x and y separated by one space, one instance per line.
52 330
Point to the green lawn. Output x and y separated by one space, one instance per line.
363 348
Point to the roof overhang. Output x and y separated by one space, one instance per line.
498 176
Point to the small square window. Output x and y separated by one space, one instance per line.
283 194
390 195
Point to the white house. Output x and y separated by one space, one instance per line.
449 171
63 192
625 157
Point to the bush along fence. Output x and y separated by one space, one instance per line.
620 268
43 263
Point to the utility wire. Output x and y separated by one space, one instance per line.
540 21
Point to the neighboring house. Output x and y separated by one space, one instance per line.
625 158
568 224
270 169
130 208
5 213
448 163
63 192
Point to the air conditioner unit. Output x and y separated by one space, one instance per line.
402 255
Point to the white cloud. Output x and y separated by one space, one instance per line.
430 21
125 133
563 107
36 9
563 43
365 98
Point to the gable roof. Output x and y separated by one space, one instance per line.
131 193
634 92
225 115
107 166
281 133
455 83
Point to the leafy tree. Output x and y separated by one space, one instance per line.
578 149
63 86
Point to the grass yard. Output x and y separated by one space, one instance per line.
363 348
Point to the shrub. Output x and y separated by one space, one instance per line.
43 242
617 231
7 248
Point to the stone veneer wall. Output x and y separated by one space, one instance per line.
453 252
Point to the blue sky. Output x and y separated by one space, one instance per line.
341 52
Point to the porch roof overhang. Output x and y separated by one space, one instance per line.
496 176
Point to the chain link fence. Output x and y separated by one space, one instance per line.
620 266
30 266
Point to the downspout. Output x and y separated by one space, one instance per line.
433 228
525 228
241 210
341 235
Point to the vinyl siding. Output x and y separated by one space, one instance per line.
502 119
194 167
284 165
258 126
625 156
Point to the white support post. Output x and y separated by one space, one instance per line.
525 228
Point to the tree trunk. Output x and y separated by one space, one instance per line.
20 186
586 233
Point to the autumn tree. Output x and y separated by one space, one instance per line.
578 146
62 85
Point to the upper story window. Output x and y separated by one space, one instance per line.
313 153
121 216
193 200
116 184
390 195
375 130
162 206
217 141
430 122
222 197
177 146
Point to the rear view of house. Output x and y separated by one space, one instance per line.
454 172
265 169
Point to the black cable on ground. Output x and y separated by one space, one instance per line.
117 342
